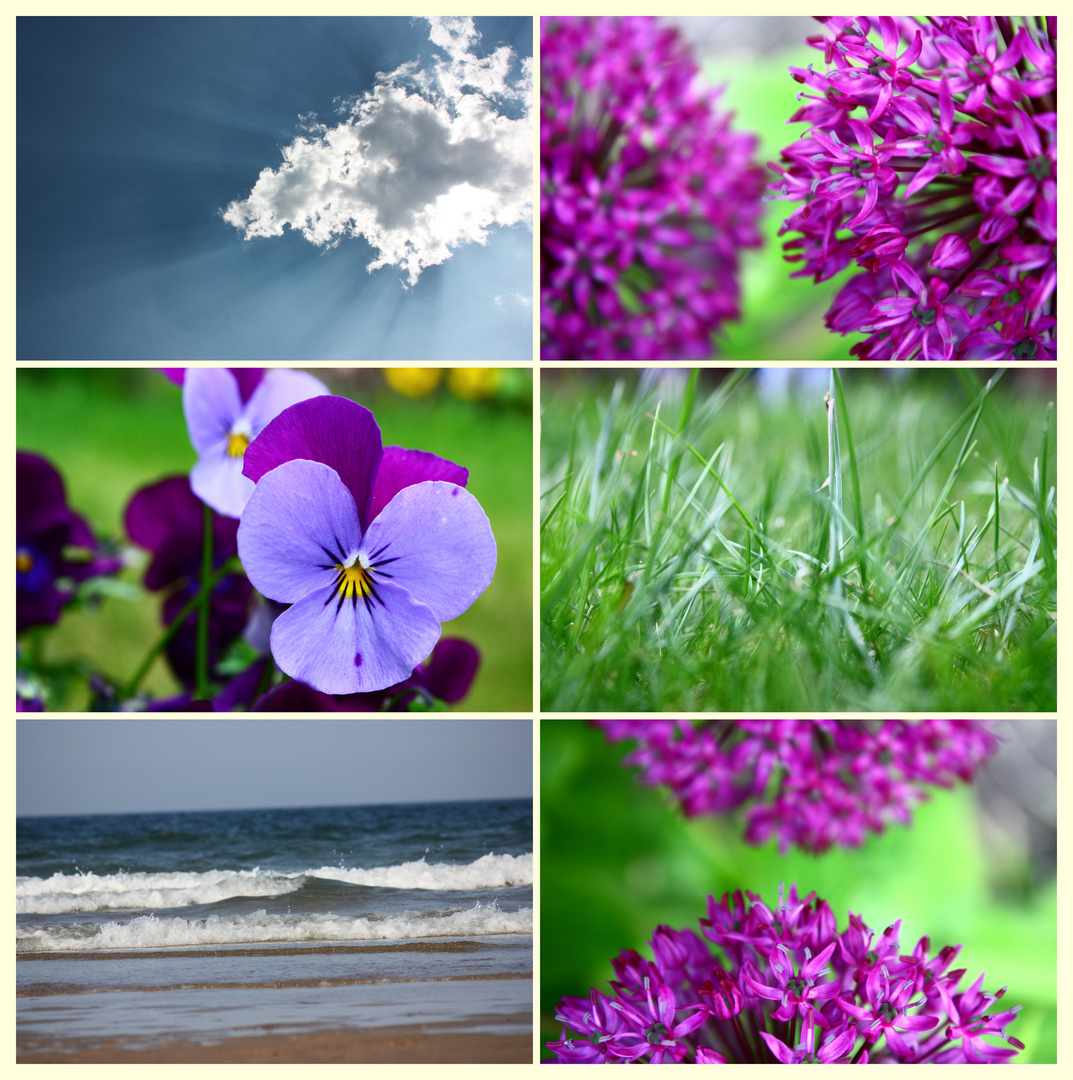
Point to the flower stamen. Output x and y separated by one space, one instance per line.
237 441
354 580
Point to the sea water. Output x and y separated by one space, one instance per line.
209 924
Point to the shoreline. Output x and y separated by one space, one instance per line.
413 1045
272 949
37 990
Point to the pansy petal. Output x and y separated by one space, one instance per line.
346 645
216 479
280 389
157 511
333 430
299 524
248 379
434 540
450 670
401 468
211 404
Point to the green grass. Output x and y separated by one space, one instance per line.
693 558
111 432
617 860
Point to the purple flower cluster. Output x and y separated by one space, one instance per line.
647 195
785 986
810 783
931 162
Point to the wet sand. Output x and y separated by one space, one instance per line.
420 1002
411 1045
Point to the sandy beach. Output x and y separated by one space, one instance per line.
412 1045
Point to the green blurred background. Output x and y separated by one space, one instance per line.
976 868
111 432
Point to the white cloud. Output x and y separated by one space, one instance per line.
425 161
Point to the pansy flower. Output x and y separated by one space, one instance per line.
372 548
54 547
225 410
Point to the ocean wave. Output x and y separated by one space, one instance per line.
487 872
150 932
142 891
137 891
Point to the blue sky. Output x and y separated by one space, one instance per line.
103 766
150 148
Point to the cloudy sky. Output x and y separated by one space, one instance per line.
355 188
120 766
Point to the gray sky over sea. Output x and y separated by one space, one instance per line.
131 766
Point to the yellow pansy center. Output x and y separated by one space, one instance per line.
237 442
354 580
24 561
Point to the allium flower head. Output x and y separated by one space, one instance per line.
809 783
931 161
737 994
647 195
372 548
225 411
54 546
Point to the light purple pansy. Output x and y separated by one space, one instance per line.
225 411
372 548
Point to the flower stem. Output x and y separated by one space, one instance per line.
228 567
203 612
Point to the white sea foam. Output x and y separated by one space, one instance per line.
150 892
487 872
150 932
144 891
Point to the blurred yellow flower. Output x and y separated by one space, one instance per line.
474 384
413 381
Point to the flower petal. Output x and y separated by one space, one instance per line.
401 468
211 405
450 670
299 524
348 646
436 543
280 389
333 430
216 479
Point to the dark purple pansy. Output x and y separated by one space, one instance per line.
54 546
167 519
372 549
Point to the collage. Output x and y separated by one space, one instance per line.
711 600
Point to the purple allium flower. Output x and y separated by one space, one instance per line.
167 519
810 783
372 548
931 159
647 195
757 985
225 411
54 547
